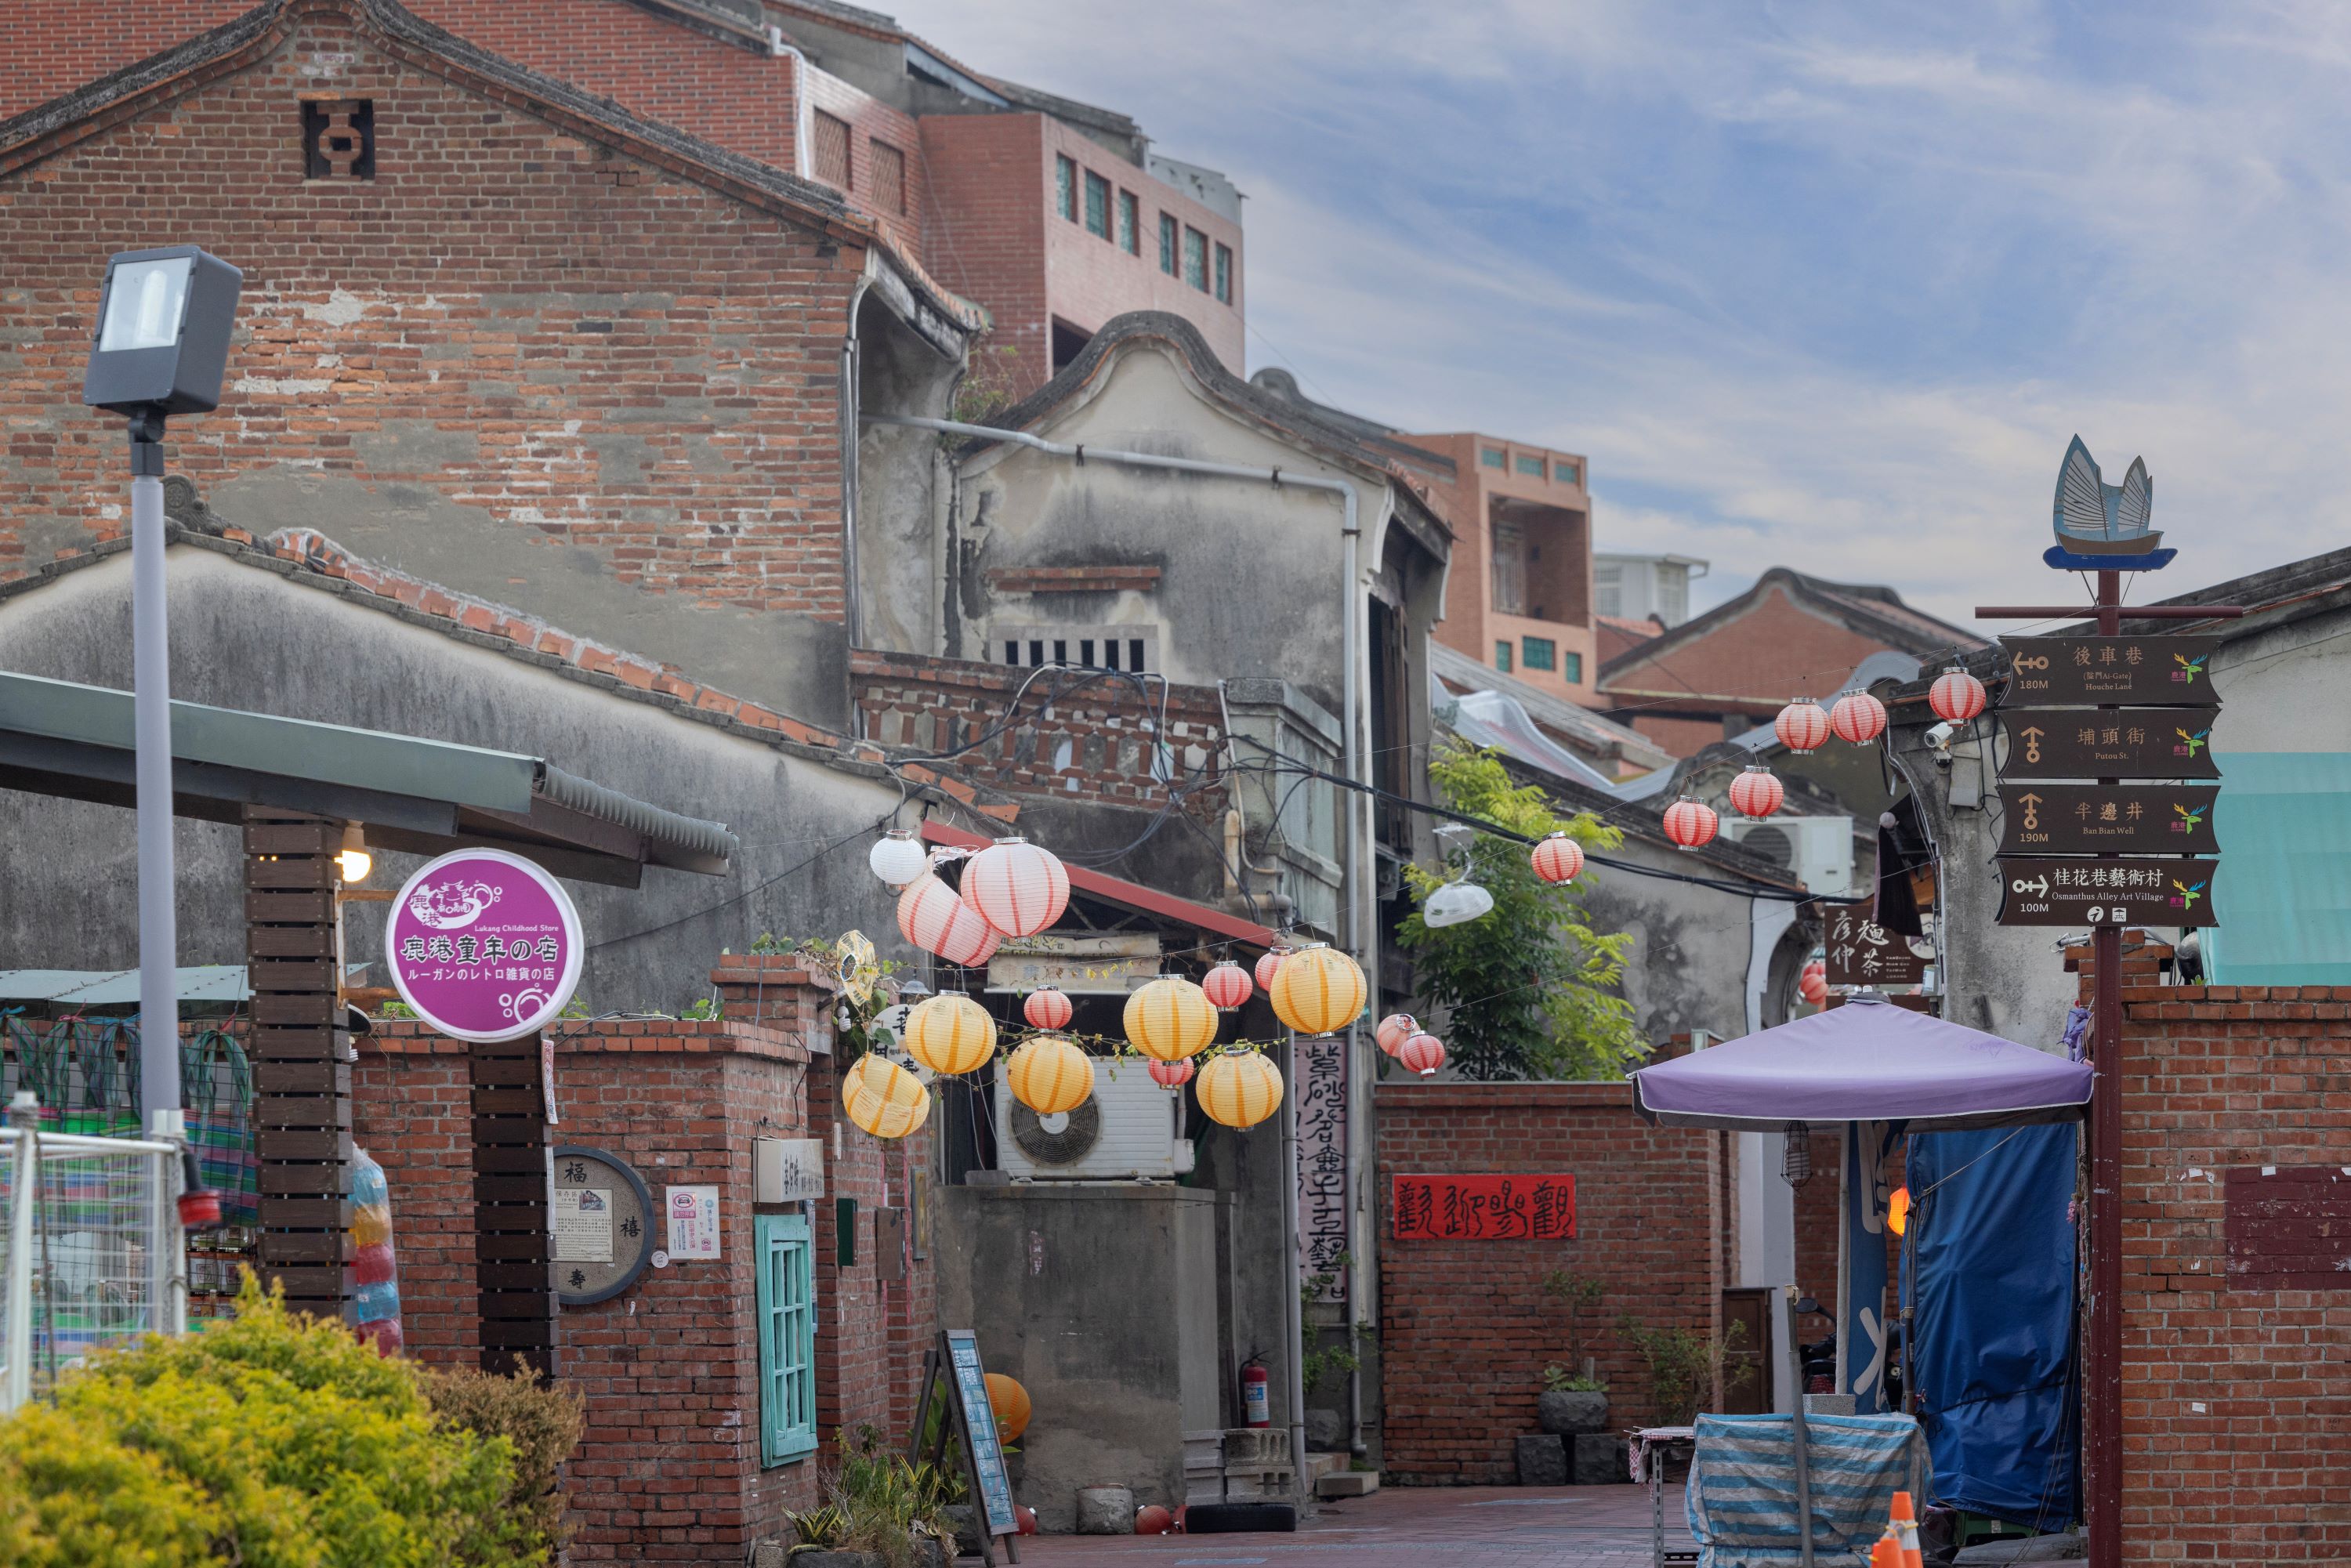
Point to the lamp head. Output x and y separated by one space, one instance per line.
163 323
353 861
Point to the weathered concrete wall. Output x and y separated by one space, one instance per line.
246 637
1101 1300
1693 947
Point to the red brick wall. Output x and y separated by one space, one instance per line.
870 120
54 45
490 321
1466 1327
1775 650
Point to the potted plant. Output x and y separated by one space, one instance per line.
1573 1399
883 1510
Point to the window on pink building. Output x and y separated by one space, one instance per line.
1195 259
1128 240
1097 204
1065 187
1225 272
1169 229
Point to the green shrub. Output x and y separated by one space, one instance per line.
268 1441
878 1502
542 1424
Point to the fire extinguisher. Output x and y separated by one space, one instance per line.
1257 1409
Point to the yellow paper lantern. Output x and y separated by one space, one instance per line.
884 1098
1170 1019
950 1033
1240 1089
1318 990
1010 1403
1047 1074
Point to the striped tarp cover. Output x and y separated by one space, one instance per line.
1742 1490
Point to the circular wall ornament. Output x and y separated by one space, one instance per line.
603 1226
484 946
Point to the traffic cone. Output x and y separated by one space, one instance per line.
1904 1529
1887 1554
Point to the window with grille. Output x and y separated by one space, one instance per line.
1225 272
889 178
1168 230
1130 648
1195 259
1491 456
832 163
1533 465
1563 472
339 139
1570 668
1065 187
1537 652
786 1318
1097 204
1128 240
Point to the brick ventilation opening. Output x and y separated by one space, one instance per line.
1130 648
889 178
339 139
832 163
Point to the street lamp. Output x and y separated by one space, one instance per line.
161 343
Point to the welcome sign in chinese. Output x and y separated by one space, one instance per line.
483 944
1484 1208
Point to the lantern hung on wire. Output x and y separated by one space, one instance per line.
1172 1074
950 1034
898 857
1239 1088
1047 1073
1319 990
1812 983
1048 1008
1557 858
1017 887
1956 697
1757 792
1227 986
1691 824
884 1098
1423 1053
933 918
1270 966
1857 718
1801 726
1395 1030
1170 1019
1457 901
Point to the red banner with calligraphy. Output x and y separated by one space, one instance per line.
1487 1207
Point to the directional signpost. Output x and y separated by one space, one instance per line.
2145 710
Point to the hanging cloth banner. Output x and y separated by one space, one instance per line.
1862 1273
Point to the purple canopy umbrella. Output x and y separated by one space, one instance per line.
1867 1060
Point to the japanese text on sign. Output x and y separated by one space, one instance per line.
1322 1163
1515 1207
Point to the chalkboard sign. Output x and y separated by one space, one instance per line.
971 1419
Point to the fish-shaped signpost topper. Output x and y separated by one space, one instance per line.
2094 518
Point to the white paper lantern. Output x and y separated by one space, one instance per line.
898 857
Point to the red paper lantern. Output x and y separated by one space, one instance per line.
1557 858
1016 886
1172 1074
1227 986
1424 1053
1812 983
933 918
1395 1030
1691 824
1801 725
1757 792
1270 966
1857 717
1956 697
1048 1008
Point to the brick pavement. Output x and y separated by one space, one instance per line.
1473 1527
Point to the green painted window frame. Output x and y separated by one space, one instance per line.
1570 668
1225 274
785 1249
1097 206
1502 655
1195 259
1538 652
1129 221
1491 456
1065 186
1169 233
1564 473
1530 467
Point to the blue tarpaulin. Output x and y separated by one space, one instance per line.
1990 1268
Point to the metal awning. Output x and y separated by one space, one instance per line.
423 797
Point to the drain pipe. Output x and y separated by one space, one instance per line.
1357 928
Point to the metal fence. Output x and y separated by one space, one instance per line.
92 1255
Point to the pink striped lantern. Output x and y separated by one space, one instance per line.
1812 983
1017 887
1227 986
1048 1008
1956 697
1801 725
1857 717
933 918
1557 858
1757 792
1268 967
1423 1053
1691 824
1173 1074
1395 1030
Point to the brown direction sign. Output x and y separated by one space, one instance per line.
2137 743
2107 819
2107 893
1863 952
2156 672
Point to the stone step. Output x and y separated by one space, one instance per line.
1347 1483
1320 1465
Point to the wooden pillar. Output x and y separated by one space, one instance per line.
512 1257
302 1081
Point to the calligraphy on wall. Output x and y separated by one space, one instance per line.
1519 1206
1321 1091
1863 952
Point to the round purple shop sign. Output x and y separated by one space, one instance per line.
483 944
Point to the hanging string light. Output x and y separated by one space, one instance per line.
1227 986
1395 1030
1170 1019
1857 717
1048 1008
1557 858
1956 697
1047 1074
951 1034
1239 1088
1017 887
1691 824
1801 726
1423 1053
1757 792
1319 990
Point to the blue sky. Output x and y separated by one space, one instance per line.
1827 285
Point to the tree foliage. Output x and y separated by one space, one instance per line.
1530 989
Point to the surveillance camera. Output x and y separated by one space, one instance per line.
1939 738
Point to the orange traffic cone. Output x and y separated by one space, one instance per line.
1887 1554
1905 1530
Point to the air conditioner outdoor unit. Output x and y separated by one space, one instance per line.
1131 1129
1819 849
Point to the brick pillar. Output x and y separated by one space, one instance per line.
511 1248
302 1083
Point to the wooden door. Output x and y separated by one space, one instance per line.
1747 1336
